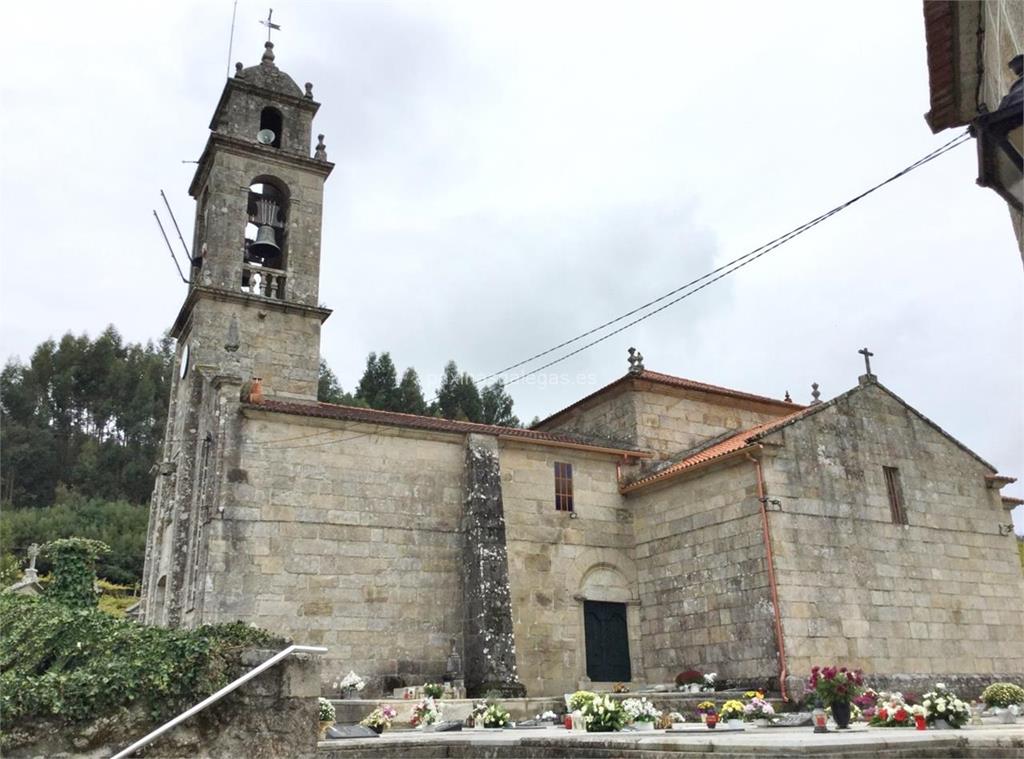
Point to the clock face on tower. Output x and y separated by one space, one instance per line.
183 367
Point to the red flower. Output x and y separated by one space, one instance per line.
883 714
901 715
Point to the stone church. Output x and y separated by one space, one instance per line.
655 525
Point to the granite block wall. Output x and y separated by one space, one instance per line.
943 594
346 536
702 576
556 561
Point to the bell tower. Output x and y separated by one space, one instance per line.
253 297
252 311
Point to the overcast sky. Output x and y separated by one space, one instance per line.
511 174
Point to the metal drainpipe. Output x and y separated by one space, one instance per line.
780 640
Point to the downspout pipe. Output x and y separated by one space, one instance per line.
780 641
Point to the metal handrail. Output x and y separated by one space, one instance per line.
218 696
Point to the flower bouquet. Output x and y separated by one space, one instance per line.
434 690
709 681
758 709
836 687
641 713
350 684
1005 699
892 711
674 720
704 708
603 714
379 719
426 712
327 714
690 680
941 704
576 701
732 712
494 715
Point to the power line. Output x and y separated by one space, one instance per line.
721 271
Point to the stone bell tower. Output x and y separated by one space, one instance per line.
256 269
252 311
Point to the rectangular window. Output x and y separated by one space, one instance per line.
892 485
563 486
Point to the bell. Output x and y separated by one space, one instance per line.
265 245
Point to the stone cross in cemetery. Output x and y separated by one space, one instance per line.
30 572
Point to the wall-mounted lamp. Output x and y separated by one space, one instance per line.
573 515
1006 529
1000 137
771 504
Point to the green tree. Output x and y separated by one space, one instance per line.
497 406
86 414
328 390
447 403
410 394
378 387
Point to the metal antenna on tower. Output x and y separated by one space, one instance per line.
169 248
231 39
183 245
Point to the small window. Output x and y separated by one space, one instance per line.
563 486
892 485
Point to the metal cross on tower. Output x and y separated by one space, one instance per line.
867 359
271 26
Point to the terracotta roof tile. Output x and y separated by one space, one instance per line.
435 424
717 450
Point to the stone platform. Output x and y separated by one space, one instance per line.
990 741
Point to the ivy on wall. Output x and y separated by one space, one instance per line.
76 663
74 570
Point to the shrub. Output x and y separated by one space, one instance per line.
1002 695
689 677
78 663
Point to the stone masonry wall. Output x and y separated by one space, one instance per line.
702 576
555 561
939 596
347 536
666 420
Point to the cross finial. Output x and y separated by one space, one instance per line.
867 360
271 26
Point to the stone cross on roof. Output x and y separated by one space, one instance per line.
867 360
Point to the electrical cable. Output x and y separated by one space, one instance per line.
725 269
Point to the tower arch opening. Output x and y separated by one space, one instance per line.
266 244
272 120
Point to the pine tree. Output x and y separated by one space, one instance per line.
410 394
378 387
447 404
497 406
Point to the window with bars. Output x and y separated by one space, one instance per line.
892 485
563 486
